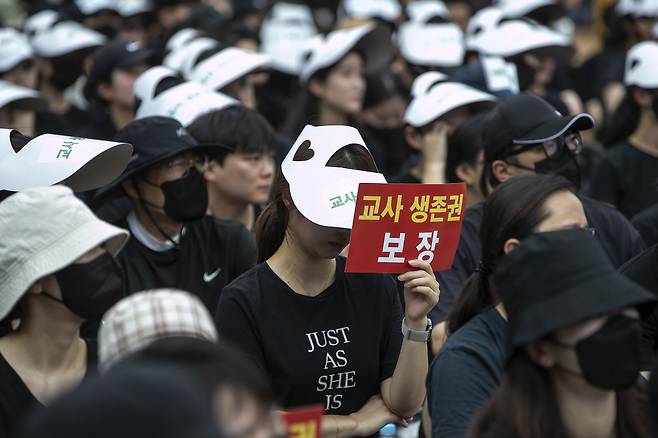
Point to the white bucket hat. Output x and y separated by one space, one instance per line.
387 10
484 21
64 38
227 66
421 11
45 230
642 65
14 49
432 44
142 318
185 103
80 163
372 41
314 186
183 58
285 35
440 99
514 37
21 97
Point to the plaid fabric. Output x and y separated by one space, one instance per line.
142 318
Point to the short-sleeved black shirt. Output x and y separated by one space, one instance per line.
627 178
211 253
333 349
16 400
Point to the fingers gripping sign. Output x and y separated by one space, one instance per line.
421 292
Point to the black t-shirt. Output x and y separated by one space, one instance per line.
618 238
211 253
16 400
465 373
627 178
333 349
73 122
647 225
643 270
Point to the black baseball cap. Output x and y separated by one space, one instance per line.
115 55
525 119
155 139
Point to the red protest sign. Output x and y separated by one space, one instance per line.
304 422
395 223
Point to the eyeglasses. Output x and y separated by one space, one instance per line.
571 142
184 164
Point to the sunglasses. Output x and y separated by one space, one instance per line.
570 141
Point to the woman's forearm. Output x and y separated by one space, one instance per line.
338 426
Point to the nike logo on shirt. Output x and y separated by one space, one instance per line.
210 277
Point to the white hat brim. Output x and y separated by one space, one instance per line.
227 66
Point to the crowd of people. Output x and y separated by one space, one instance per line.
177 190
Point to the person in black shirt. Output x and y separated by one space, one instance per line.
239 182
525 135
57 269
627 175
469 366
573 356
324 336
174 243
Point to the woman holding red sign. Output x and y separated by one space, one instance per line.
326 337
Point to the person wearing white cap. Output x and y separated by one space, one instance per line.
17 59
324 336
626 175
18 106
57 269
433 114
333 77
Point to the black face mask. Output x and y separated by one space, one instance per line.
186 198
90 289
565 164
610 358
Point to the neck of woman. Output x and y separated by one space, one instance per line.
645 136
120 116
48 338
587 412
331 116
304 274
223 206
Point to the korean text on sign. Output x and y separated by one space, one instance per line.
395 223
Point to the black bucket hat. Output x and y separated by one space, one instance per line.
526 119
156 139
556 279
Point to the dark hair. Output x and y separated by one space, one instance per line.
236 127
272 223
623 121
464 146
525 405
382 86
513 210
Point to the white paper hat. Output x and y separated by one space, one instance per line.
146 83
14 48
440 99
514 37
129 8
642 65
387 10
637 8
181 38
227 66
42 20
80 163
421 11
313 185
373 41
433 44
484 21
285 35
425 81
21 97
185 103
183 58
91 7
65 37
521 8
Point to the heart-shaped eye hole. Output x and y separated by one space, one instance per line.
634 63
304 152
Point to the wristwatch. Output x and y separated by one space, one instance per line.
417 335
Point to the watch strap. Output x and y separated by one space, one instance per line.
416 335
